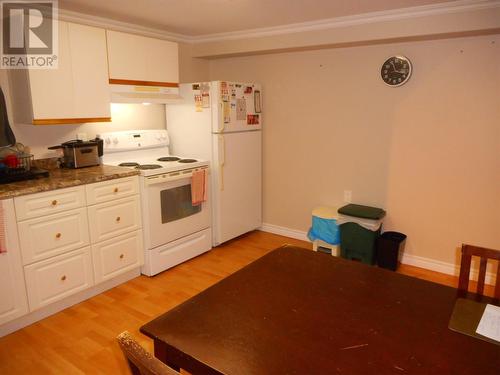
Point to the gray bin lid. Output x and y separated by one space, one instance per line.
364 212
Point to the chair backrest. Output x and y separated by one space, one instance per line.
468 251
140 361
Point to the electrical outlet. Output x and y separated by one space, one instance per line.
348 196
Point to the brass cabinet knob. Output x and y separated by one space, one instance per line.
118 219
122 256
54 202
63 277
115 190
58 235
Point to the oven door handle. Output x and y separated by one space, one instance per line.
161 179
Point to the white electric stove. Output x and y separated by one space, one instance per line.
174 229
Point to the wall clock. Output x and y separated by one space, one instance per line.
396 70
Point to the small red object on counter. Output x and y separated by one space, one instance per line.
11 161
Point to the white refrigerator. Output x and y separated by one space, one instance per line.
221 122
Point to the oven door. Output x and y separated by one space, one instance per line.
168 211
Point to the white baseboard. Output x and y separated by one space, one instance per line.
412 260
283 231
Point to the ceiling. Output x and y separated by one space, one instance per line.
196 18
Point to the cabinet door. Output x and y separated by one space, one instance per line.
51 235
117 255
77 91
138 58
107 220
58 277
106 191
13 301
52 89
49 202
89 71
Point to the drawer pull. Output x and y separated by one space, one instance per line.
115 190
122 256
63 277
58 235
54 202
118 218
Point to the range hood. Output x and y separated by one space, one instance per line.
144 94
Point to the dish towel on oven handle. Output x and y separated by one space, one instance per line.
3 246
199 186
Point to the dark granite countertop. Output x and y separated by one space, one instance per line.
63 178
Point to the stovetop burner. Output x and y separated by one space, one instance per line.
169 158
148 166
128 164
188 161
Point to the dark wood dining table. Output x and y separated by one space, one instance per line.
294 311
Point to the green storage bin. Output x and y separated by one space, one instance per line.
360 226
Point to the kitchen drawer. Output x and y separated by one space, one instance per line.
53 279
118 255
52 235
110 190
113 218
50 202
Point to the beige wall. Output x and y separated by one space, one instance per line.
428 152
125 117
191 69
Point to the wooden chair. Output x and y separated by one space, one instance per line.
468 251
140 361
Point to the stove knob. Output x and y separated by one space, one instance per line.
107 140
115 140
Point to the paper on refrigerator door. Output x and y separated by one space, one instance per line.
227 111
241 109
257 105
198 103
489 325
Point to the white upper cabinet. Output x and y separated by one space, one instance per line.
138 58
77 91
90 71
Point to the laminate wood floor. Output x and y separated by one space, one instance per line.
81 339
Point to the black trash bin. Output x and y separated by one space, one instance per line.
388 246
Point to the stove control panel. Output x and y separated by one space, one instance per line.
134 140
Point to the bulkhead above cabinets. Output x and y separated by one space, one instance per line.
94 65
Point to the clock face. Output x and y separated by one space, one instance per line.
396 71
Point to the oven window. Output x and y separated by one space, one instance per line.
176 204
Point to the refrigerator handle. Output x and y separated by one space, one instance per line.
222 124
222 161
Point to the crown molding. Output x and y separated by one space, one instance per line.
459 6
110 24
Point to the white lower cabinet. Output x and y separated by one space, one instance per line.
13 302
53 279
44 237
49 202
63 242
110 219
117 255
106 191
